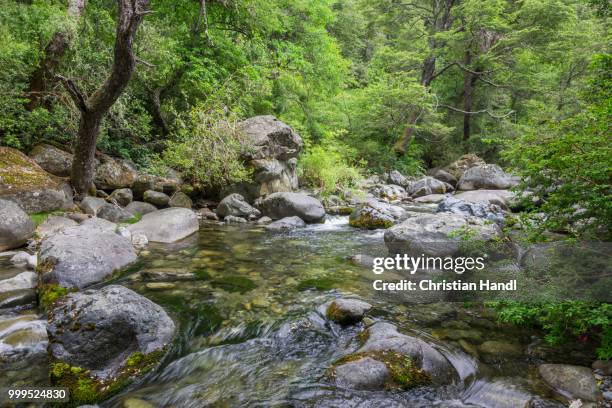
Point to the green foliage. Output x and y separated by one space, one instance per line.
208 149
326 167
569 163
563 321
50 293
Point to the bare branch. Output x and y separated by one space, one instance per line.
488 112
145 63
75 93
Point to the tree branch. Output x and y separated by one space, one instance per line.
75 93
478 112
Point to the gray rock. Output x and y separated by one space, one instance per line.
16 227
232 219
486 176
272 150
374 214
91 205
426 186
264 221
461 165
281 205
52 224
489 212
363 374
498 394
287 223
168 184
347 311
571 381
99 329
114 213
437 234
23 280
444 176
502 198
52 159
430 198
140 208
25 183
18 290
604 366
384 336
99 223
495 351
180 199
123 196
207 214
389 192
22 337
168 225
156 198
236 205
77 257
114 173
397 178
22 258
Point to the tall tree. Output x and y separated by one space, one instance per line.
96 106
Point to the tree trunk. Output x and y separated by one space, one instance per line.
94 108
54 51
468 97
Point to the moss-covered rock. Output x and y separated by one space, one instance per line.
347 311
402 373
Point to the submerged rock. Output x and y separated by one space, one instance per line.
18 290
281 205
16 227
362 374
77 257
236 205
100 330
22 337
347 311
167 225
571 381
438 234
287 223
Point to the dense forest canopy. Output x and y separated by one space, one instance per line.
371 86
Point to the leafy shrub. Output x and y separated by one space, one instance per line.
327 167
208 148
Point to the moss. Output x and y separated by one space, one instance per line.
366 221
202 273
321 284
86 388
363 336
20 173
404 373
50 293
335 314
239 284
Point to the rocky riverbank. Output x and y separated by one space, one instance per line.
62 309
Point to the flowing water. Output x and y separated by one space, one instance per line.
252 331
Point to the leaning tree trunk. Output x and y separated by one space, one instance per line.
54 51
95 107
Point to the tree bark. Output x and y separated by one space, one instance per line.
54 51
95 107
468 97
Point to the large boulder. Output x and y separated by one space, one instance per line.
114 173
91 205
167 225
426 186
156 198
384 336
167 184
272 150
465 162
235 204
52 159
443 176
502 198
389 192
398 179
438 234
24 182
77 257
346 311
362 374
571 381
180 199
375 214
281 205
16 227
99 330
486 176
489 212
52 224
